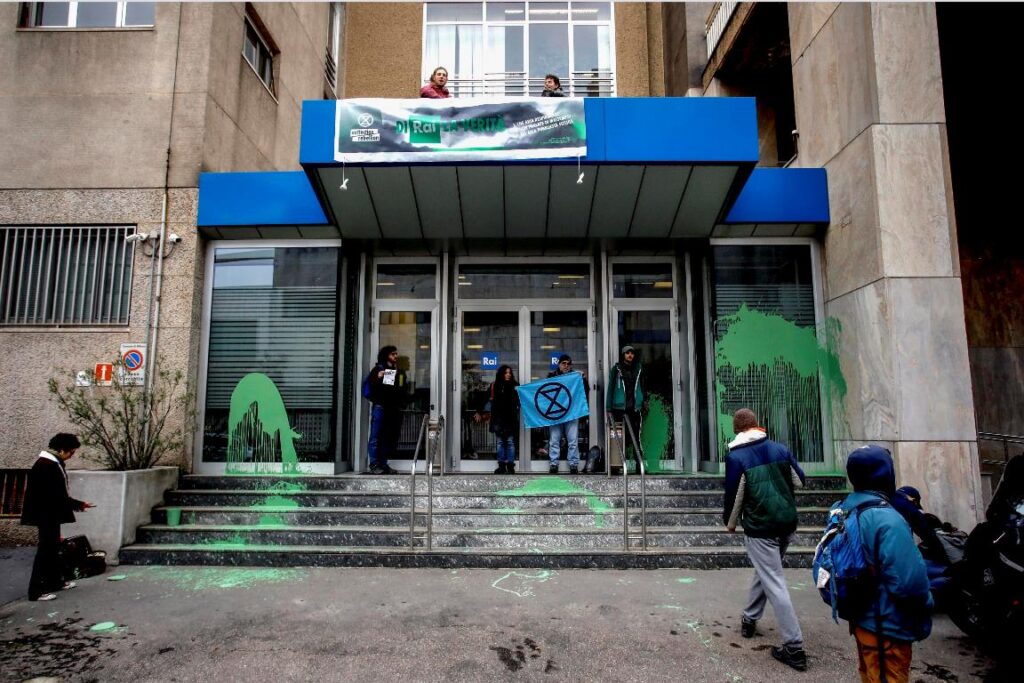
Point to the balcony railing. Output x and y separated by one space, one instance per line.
717 20
518 84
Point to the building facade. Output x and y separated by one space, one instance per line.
840 326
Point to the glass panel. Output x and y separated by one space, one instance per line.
506 11
544 281
52 14
650 333
767 355
413 281
549 50
504 49
642 280
270 388
553 333
454 11
249 46
139 13
591 49
410 332
549 11
591 11
489 340
96 14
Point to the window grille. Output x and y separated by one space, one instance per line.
66 275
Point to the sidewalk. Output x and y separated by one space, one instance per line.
228 624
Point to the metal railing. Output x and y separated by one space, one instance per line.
13 483
431 434
1006 440
518 84
619 431
716 22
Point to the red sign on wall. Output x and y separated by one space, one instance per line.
104 374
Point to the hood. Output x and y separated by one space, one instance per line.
870 468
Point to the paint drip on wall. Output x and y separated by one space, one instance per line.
656 433
258 428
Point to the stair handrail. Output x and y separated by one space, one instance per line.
638 453
615 432
435 440
412 482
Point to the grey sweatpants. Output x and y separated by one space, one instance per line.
769 585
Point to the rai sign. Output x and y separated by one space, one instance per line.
479 129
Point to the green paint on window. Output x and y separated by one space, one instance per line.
557 486
656 433
258 429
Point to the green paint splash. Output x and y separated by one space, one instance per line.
117 577
686 579
103 626
557 486
784 373
208 578
521 584
258 426
656 434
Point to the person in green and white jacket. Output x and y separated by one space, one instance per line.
625 395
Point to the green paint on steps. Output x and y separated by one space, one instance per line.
103 626
284 487
557 486
272 520
656 434
276 501
259 433
232 542
208 578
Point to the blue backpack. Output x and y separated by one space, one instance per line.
843 571
367 387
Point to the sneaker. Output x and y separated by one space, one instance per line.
791 656
376 469
553 469
386 469
573 469
69 585
748 627
510 468
46 597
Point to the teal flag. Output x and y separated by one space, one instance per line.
553 400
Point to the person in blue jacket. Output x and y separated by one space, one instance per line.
901 612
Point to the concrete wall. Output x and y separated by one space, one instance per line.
869 108
685 46
88 118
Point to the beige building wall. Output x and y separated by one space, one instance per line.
383 49
869 107
90 116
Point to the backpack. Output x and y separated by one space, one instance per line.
367 386
843 571
78 560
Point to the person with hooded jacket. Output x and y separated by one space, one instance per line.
901 611
388 393
625 389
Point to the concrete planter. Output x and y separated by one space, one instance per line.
123 500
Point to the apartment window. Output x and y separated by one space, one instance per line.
506 48
67 275
258 52
87 14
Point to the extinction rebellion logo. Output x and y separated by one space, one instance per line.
364 133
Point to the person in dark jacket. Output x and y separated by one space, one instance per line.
48 504
760 476
504 418
901 610
435 90
388 393
552 87
625 390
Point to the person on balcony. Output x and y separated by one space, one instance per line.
436 90
552 87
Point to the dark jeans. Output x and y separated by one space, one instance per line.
385 428
47 574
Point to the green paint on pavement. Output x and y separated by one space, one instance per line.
686 579
656 433
103 626
557 486
117 577
521 584
668 607
207 578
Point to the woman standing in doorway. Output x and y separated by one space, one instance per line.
505 418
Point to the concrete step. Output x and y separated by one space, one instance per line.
467 500
447 558
452 519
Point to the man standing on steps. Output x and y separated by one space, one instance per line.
760 476
387 391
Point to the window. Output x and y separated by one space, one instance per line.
258 52
506 48
87 14
536 281
642 280
65 275
401 281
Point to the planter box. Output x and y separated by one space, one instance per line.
124 501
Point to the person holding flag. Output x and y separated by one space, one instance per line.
557 403
570 429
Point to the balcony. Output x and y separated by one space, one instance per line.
518 84
716 22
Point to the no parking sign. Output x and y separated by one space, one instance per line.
133 364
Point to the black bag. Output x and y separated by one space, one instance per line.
595 460
78 560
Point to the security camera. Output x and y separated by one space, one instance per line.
174 238
137 237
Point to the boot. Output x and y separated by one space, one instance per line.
501 468
510 468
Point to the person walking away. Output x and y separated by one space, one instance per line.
901 610
760 476
436 90
504 414
625 390
388 394
552 87
48 504
570 430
